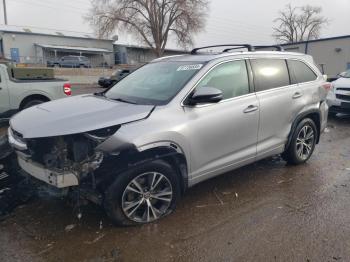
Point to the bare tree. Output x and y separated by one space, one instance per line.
299 24
153 21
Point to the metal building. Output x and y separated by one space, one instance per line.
133 54
331 54
37 46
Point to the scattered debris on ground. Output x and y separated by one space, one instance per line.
14 189
69 227
98 238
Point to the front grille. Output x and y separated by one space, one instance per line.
343 97
344 88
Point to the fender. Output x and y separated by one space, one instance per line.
131 157
299 118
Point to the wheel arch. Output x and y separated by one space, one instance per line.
33 97
132 157
313 114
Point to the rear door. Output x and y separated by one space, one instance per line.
279 101
305 77
310 84
223 134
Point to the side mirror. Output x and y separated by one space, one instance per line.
205 95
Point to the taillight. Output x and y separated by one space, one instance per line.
67 90
327 86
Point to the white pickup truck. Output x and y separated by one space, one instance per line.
17 94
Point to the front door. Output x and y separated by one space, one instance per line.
223 135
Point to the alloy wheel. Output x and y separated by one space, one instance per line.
305 142
147 197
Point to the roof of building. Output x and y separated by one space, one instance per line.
147 47
75 48
318 40
12 29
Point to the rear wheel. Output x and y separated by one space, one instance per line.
33 102
143 194
302 143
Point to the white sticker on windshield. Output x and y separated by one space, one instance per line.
189 67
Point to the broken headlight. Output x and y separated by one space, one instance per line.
102 134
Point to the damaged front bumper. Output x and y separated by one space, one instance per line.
61 162
54 178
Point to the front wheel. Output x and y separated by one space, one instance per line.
302 143
143 194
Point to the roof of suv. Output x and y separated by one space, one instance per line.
206 57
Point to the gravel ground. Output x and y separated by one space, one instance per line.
267 211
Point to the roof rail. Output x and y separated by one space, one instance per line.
237 46
278 47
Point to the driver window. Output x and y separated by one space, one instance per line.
230 77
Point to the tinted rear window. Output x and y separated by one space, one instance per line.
300 72
270 73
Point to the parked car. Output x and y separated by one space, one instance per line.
339 97
177 121
21 88
119 74
70 61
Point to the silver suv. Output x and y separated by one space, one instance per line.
171 124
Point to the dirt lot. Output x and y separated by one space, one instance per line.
263 212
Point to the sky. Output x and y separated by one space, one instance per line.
228 21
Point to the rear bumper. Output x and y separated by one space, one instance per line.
323 116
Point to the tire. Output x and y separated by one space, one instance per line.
31 103
300 149
332 114
119 194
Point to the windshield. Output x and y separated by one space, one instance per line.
155 83
345 74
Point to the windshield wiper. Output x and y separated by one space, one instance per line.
99 94
125 101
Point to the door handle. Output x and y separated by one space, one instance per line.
250 109
297 95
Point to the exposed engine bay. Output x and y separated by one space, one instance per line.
69 153
61 161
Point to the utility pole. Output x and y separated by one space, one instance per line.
5 12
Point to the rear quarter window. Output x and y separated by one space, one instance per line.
270 73
300 72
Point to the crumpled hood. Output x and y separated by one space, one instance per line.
74 115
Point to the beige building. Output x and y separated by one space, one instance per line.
331 54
